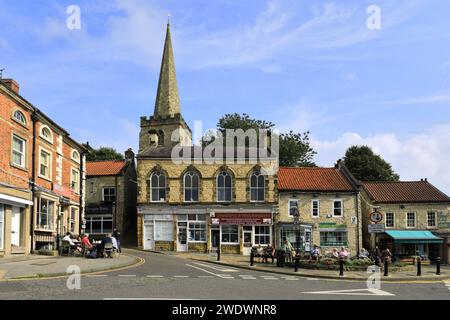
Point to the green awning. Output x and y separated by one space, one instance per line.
413 236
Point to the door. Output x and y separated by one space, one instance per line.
182 245
15 227
248 240
149 243
215 238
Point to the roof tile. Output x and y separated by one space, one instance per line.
312 179
104 168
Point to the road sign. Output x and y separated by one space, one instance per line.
376 217
376 228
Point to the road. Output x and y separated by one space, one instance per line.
169 277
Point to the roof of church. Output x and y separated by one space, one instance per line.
105 168
167 99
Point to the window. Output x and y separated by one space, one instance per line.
44 164
164 230
197 231
292 204
315 208
337 208
262 234
109 194
46 133
2 224
411 219
99 224
431 218
191 186
333 238
224 187
19 117
75 156
73 219
230 234
91 187
18 151
75 181
158 187
257 186
389 220
46 214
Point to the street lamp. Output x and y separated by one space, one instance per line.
296 214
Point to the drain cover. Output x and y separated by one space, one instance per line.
12 287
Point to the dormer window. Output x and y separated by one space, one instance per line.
46 133
19 117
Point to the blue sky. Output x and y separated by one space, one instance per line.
304 65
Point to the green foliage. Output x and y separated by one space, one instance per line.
365 165
102 153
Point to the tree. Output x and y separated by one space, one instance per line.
102 153
295 149
365 165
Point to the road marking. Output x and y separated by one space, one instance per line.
205 276
127 275
290 278
151 299
215 268
154 276
312 279
96 275
202 270
357 292
181 276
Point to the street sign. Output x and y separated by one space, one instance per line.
376 228
376 217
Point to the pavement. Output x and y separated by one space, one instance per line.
170 277
39 266
239 261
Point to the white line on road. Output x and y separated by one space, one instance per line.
202 270
215 268
154 276
97 275
205 276
181 276
357 292
127 275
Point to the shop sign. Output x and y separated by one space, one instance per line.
376 228
99 209
242 218
325 225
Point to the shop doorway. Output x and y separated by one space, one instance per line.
149 242
182 245
16 230
215 238
247 240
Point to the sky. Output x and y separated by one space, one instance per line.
304 65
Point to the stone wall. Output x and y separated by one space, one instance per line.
164 245
197 247
230 249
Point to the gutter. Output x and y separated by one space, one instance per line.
34 118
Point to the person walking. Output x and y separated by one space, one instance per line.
116 234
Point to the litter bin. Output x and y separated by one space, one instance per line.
281 258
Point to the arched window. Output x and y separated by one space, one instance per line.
158 186
224 182
46 133
19 116
191 186
75 156
257 186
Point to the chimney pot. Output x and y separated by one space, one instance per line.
12 84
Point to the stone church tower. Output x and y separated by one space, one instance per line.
160 129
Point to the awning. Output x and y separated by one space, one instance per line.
413 236
14 201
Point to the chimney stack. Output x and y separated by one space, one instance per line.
12 84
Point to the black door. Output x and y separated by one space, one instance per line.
215 237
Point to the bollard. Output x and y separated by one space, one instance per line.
218 254
438 265
251 258
296 263
341 267
386 267
419 267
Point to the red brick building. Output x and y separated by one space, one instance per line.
41 176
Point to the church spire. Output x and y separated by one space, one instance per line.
167 98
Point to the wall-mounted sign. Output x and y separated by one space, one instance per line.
376 217
376 228
242 218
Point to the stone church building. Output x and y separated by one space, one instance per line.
195 205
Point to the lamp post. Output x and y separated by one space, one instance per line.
296 215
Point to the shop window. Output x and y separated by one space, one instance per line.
411 219
333 238
109 194
164 230
197 231
2 224
18 151
315 208
191 186
99 224
257 187
19 117
158 186
431 218
224 182
337 208
45 214
293 205
262 235
389 220
230 234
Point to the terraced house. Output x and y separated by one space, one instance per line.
41 176
195 205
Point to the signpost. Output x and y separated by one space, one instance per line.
376 228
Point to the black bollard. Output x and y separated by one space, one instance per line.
386 267
251 258
438 265
419 267
218 254
296 263
341 267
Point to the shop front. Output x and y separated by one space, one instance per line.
238 232
292 233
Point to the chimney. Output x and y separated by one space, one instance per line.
129 155
12 84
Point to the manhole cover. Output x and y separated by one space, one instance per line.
43 263
12 287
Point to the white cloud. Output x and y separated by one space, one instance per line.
422 155
351 76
